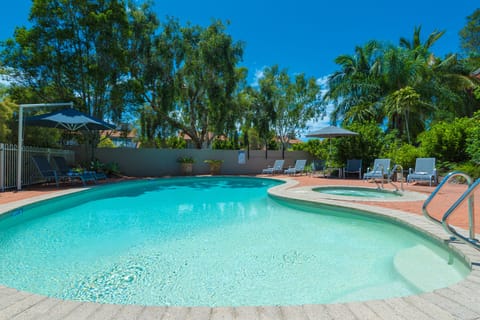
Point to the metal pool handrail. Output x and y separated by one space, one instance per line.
466 195
471 216
396 168
382 173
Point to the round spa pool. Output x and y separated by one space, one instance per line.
213 241
358 192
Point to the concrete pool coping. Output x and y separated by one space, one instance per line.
459 301
310 192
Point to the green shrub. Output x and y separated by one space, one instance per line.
447 141
317 148
470 168
175 143
367 145
473 139
111 168
106 143
404 155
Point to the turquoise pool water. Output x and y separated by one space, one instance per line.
358 192
212 242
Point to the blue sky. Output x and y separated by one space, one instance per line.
305 35
308 35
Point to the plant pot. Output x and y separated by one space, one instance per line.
215 168
186 169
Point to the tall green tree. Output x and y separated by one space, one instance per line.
188 77
407 107
6 116
354 90
404 86
73 51
415 44
285 105
154 59
470 35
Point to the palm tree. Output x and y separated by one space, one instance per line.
452 87
406 105
416 44
356 85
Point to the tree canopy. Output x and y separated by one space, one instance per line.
117 60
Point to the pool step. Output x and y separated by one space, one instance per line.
423 274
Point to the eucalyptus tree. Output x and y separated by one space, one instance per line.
74 50
154 57
186 76
7 108
285 105
470 35
207 81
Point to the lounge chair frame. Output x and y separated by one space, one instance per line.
319 165
49 174
299 167
380 170
353 166
276 168
424 171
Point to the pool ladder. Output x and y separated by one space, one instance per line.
467 195
397 168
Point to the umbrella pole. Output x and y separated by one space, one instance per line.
330 152
20 134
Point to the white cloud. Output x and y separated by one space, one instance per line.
259 74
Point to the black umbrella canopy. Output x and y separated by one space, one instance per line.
331 132
69 119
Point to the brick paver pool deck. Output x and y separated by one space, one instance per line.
459 301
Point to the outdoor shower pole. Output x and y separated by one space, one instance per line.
20 133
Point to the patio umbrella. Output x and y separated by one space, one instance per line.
69 119
331 132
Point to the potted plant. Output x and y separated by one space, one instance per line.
186 165
214 165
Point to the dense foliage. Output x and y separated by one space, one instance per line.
115 59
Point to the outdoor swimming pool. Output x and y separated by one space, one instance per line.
212 242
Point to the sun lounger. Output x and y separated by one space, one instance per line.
298 168
64 169
424 171
276 168
380 170
49 174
